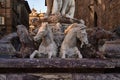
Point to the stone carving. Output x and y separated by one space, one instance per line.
58 34
111 49
98 35
6 46
97 38
60 15
47 46
65 7
27 44
2 77
116 31
69 45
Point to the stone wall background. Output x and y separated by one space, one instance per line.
99 13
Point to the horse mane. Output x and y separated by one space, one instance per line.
49 31
81 25
70 27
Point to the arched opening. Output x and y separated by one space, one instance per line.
95 19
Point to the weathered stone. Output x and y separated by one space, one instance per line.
42 76
111 49
96 76
61 76
103 13
6 46
53 76
57 65
2 77
14 76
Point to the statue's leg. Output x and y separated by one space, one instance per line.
71 11
33 54
70 14
60 2
64 7
49 6
57 5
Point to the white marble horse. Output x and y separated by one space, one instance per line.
65 7
47 46
69 45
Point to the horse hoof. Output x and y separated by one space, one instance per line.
80 56
31 57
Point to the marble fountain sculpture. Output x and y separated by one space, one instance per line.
52 46
58 34
47 46
69 45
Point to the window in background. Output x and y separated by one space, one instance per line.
2 20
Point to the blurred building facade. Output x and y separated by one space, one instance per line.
12 13
35 15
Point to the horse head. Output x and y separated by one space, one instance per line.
82 34
57 28
23 34
42 31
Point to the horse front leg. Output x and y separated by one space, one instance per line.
63 54
78 53
50 55
33 54
82 43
